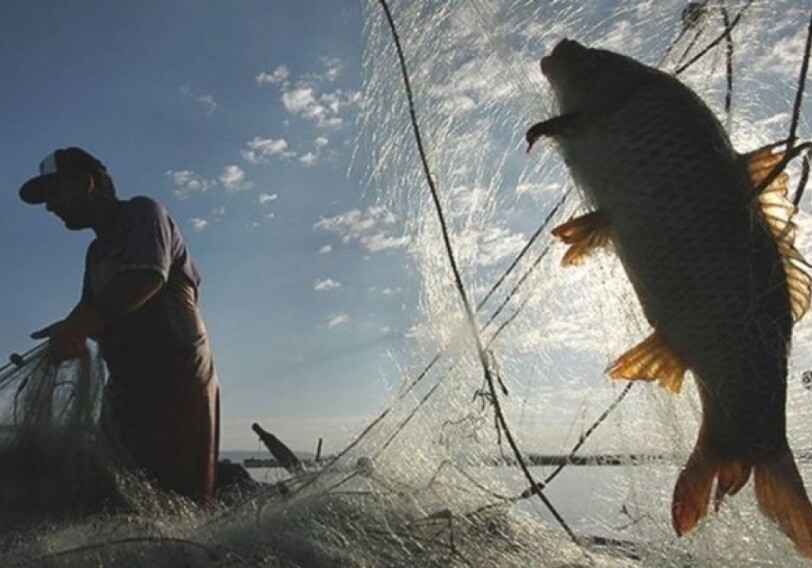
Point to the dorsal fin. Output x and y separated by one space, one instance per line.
777 212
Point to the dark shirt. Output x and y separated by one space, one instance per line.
146 238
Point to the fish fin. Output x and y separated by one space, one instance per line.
777 212
584 234
651 360
553 127
693 488
733 474
782 498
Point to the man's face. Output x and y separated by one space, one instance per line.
70 202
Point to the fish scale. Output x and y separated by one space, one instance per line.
710 264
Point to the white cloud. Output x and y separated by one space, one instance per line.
299 100
261 150
333 67
465 199
490 246
308 159
336 320
233 178
198 224
326 249
278 76
369 228
187 183
321 142
206 102
325 285
381 241
324 110
267 198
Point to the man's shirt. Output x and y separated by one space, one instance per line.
145 238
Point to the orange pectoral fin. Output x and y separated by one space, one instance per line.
651 360
584 234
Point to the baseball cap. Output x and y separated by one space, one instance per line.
73 161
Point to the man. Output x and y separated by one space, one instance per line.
139 301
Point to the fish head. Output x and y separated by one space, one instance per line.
586 78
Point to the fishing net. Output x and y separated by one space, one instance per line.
474 461
49 415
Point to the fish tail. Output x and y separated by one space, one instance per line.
693 488
782 498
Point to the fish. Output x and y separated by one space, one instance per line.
707 239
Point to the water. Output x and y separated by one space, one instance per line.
412 489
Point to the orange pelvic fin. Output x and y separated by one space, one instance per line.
651 360
584 234
782 498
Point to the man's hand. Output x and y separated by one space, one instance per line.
67 338
65 341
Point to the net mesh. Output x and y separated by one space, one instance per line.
49 416
433 480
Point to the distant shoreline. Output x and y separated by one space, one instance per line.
536 460
531 459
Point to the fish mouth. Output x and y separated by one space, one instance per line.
564 49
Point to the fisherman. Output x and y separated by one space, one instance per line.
139 302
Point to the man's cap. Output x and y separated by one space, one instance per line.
72 161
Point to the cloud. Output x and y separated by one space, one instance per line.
267 198
326 249
278 76
300 100
333 68
326 285
336 320
370 228
187 183
489 246
198 224
206 102
259 150
308 159
233 178
320 142
325 110
381 241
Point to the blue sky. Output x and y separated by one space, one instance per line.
240 117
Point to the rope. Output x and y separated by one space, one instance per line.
459 284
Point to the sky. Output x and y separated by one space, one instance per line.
243 119
240 117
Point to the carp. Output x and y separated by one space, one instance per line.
706 237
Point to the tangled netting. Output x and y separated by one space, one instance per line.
473 462
49 416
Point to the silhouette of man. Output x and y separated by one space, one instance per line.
139 302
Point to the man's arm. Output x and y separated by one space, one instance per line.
127 292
